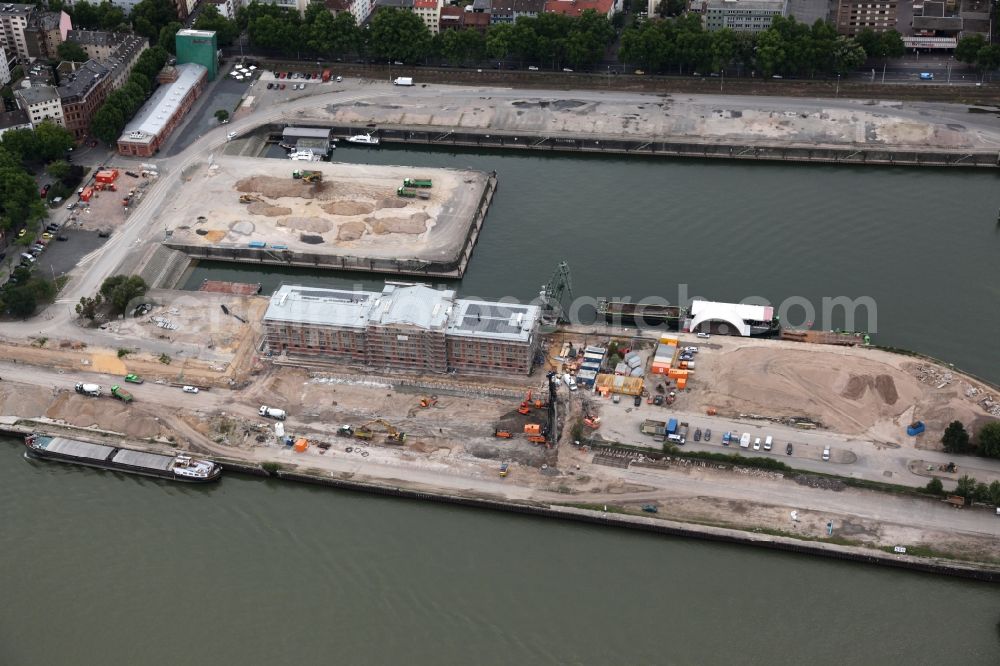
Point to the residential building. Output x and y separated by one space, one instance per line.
405 327
741 15
198 46
5 77
853 16
41 103
429 12
14 120
298 5
163 112
182 7
227 8
82 91
123 59
508 11
576 7
362 10
13 21
97 44
937 19
45 32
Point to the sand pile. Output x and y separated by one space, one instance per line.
352 230
391 202
23 400
414 224
273 188
268 210
348 208
316 225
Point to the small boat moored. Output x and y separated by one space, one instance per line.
363 139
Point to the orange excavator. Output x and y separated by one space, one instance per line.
525 407
428 402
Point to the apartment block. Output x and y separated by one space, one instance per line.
14 20
84 88
741 15
407 327
41 103
853 16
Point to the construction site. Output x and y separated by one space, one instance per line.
329 215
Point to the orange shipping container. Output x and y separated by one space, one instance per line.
301 445
107 176
681 384
87 193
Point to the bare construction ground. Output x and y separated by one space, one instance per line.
355 211
681 117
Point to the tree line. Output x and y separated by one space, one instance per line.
976 51
787 48
109 120
398 35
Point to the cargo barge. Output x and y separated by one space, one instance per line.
639 314
175 468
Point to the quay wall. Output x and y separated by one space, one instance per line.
970 570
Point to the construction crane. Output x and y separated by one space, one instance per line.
393 435
560 286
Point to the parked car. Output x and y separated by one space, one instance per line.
768 441
708 434
697 434
788 448
532 68
637 401
756 444
133 378
616 398
270 85
282 86
190 389
704 335
46 236
826 453
339 79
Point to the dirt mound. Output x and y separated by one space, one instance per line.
414 224
348 208
316 225
273 187
352 230
311 239
883 385
214 235
268 210
390 202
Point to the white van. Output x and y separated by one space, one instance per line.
570 382
745 441
768 441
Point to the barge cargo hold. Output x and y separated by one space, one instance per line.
175 467
640 314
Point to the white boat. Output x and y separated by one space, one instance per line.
304 156
363 139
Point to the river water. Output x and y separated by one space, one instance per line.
920 243
107 569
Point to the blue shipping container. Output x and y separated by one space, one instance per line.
257 244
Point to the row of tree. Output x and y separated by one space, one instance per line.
970 489
957 440
23 294
19 150
117 293
398 35
786 48
109 120
976 51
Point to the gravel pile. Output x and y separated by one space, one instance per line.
819 482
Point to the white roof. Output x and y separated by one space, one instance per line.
484 319
313 305
415 305
161 107
736 314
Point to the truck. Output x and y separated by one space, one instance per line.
403 81
651 427
273 412
682 432
92 390
120 393
417 182
326 75
672 434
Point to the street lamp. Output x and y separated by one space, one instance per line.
838 85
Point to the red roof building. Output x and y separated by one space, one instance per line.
576 7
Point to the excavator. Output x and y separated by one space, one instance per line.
367 430
426 402
308 176
525 407
248 198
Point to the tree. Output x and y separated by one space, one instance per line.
995 493
668 8
934 486
71 51
19 202
119 290
498 41
989 440
107 124
988 58
87 307
52 141
149 17
968 48
955 438
966 487
981 493
870 41
226 31
60 169
399 35
892 44
20 302
166 39
847 55
222 115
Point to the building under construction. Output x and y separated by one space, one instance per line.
405 327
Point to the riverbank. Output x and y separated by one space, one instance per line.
608 514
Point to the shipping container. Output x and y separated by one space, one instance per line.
106 176
257 244
633 362
87 193
621 369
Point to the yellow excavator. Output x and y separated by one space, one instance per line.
308 176
392 434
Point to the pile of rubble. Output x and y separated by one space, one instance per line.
819 482
930 374
989 403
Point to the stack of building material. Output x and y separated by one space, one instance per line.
617 384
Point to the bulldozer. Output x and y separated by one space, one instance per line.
392 434
308 176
